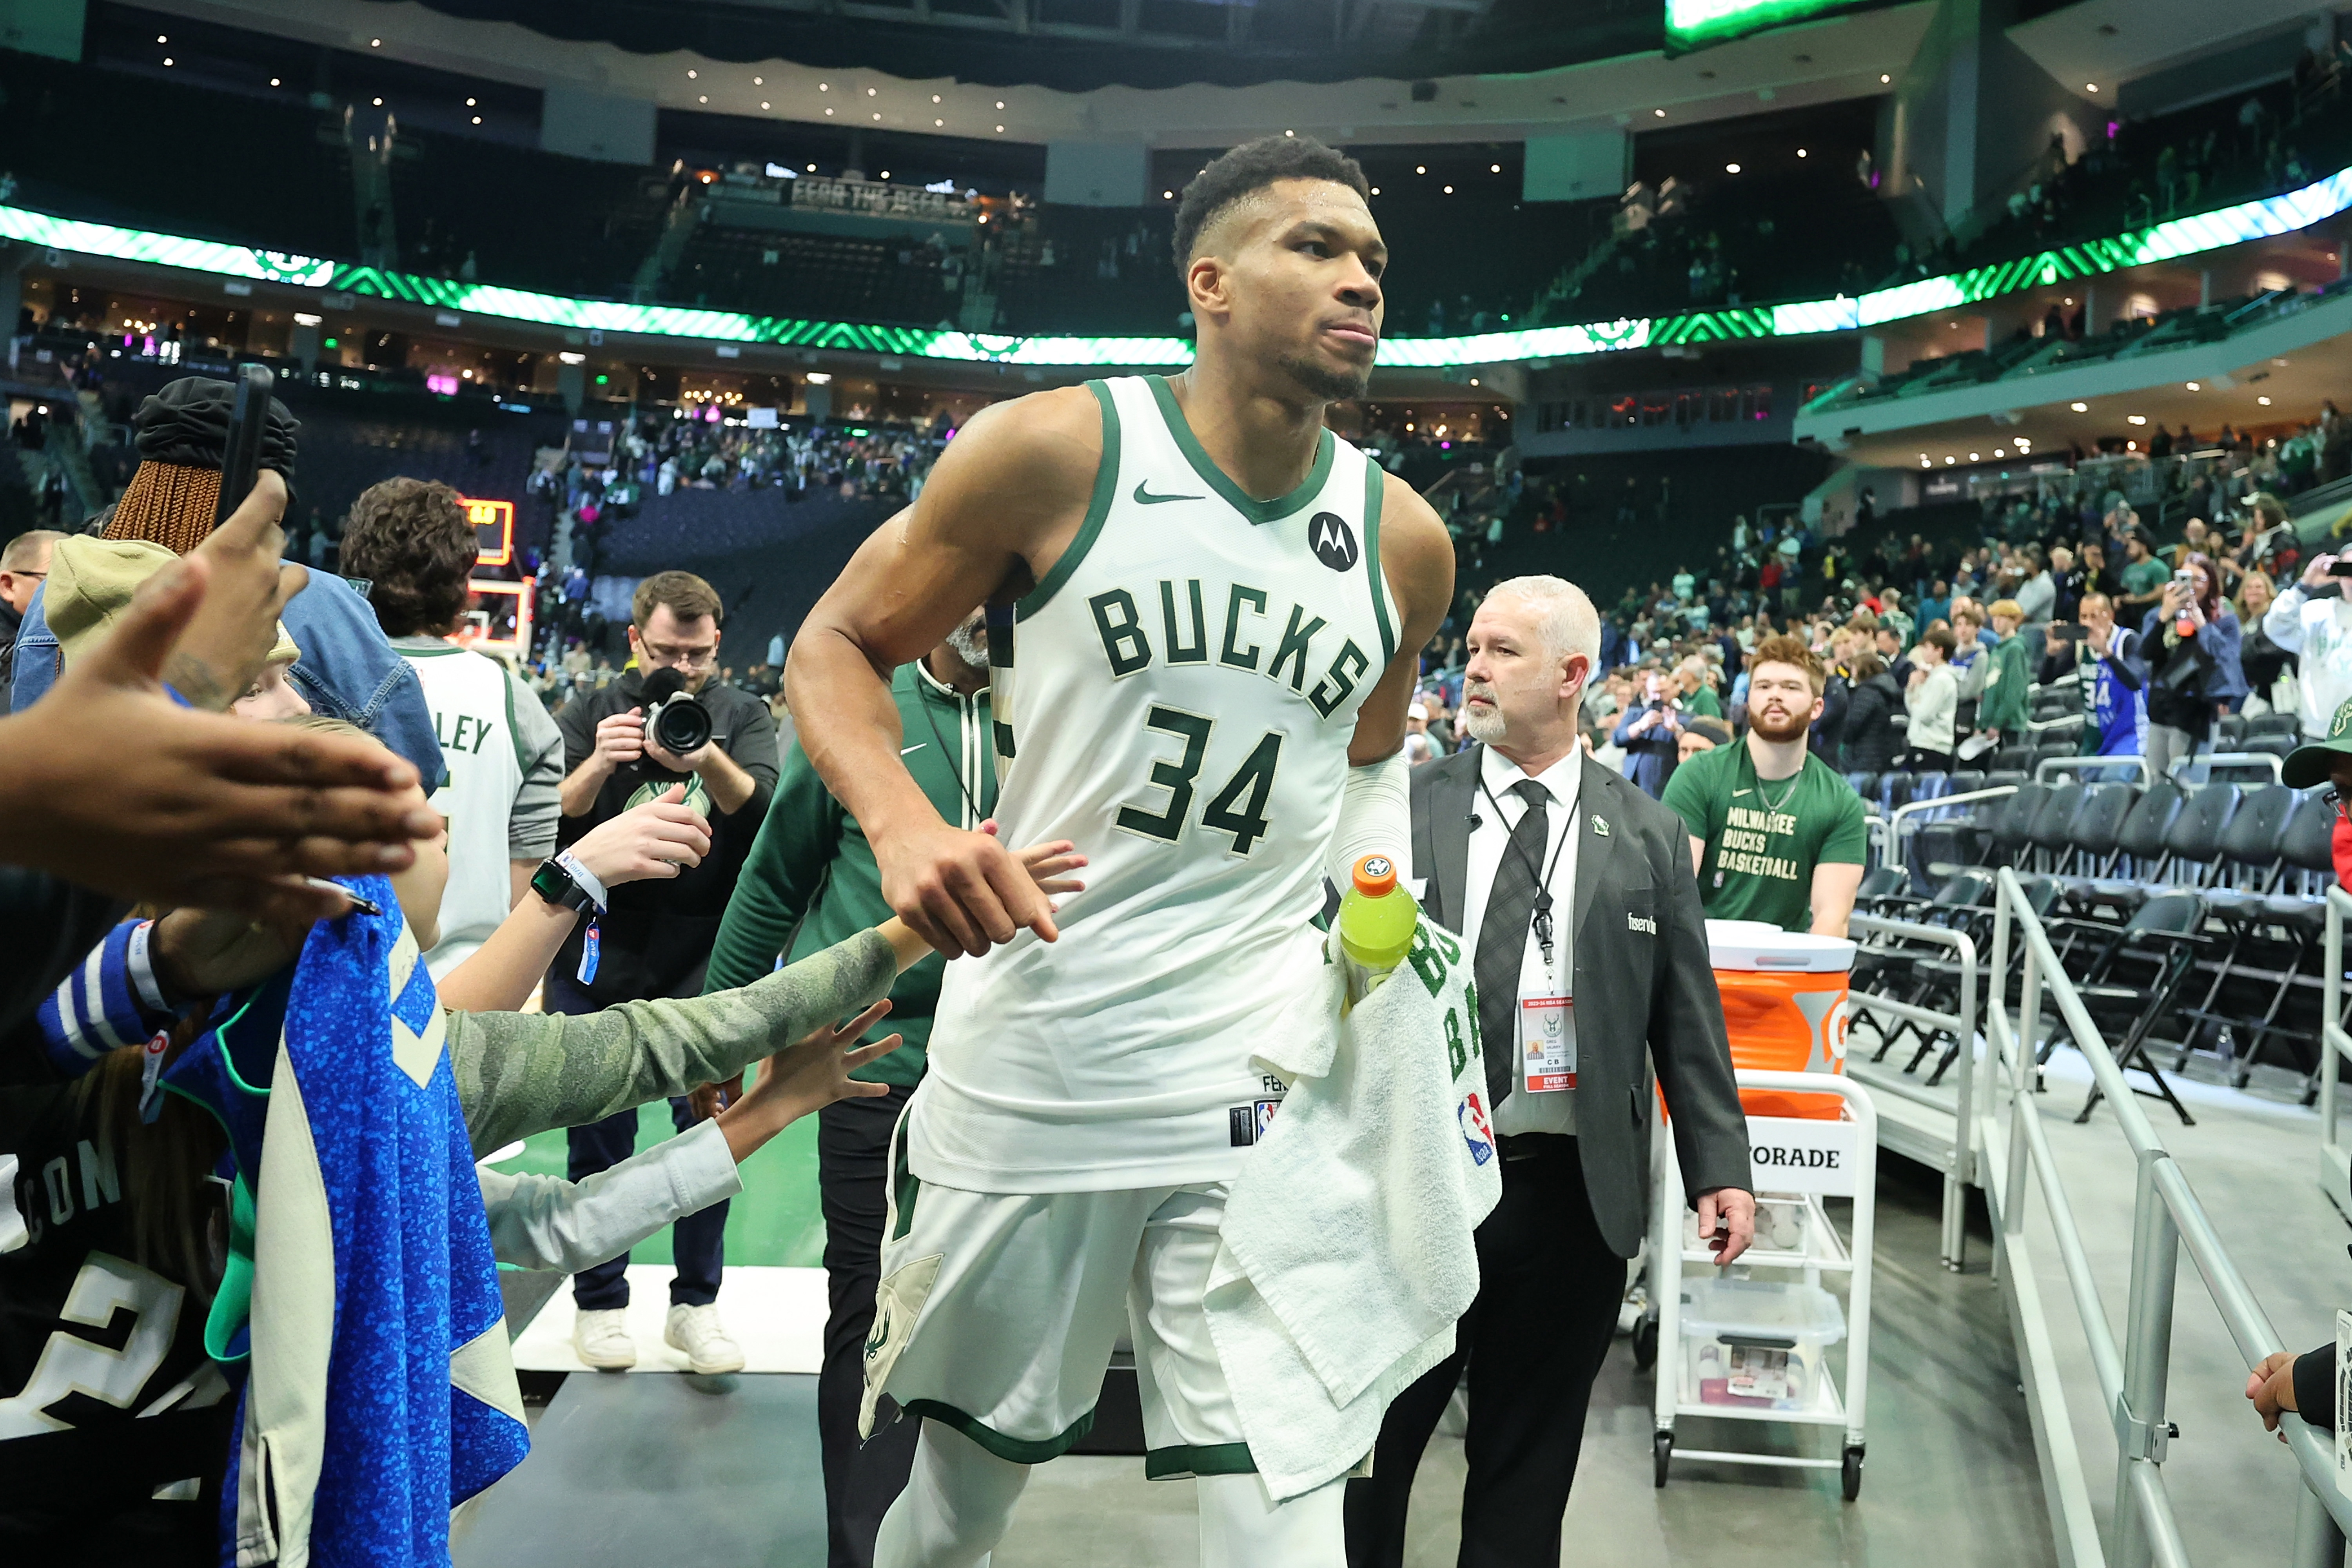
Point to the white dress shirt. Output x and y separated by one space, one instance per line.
1489 841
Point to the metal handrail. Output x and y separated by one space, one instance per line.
1960 1171
2043 769
1888 828
2166 1215
2230 760
2335 1167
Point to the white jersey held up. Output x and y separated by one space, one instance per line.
473 717
1188 677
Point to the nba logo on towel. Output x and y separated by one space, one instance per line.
1475 1131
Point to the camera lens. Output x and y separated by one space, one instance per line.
682 724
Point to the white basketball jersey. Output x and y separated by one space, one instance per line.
1188 676
469 695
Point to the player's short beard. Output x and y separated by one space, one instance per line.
1795 727
1320 379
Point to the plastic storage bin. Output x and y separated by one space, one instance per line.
1758 1345
1784 1007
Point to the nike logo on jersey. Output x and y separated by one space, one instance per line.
916 747
1144 498
1735 793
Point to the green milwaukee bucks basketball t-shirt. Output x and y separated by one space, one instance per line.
1763 840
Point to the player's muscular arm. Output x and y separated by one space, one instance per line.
1002 503
1417 557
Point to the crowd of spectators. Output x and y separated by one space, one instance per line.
201 736
1932 644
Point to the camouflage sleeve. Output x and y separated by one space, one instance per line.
520 1073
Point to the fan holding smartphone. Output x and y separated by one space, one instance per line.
2313 620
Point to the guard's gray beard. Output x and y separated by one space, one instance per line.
1484 725
969 641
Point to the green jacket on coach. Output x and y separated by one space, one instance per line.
811 879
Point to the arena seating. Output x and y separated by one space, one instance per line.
2188 911
530 219
889 278
148 153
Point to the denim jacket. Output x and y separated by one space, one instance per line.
347 668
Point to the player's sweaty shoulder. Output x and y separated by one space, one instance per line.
1042 449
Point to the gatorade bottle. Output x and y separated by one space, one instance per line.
1376 925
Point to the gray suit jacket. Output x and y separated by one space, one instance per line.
1642 979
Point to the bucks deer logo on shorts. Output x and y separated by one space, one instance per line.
898 1303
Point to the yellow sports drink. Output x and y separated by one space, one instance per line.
1377 919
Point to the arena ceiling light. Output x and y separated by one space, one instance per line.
2080 407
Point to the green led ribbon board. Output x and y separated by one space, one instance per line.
1692 24
2166 241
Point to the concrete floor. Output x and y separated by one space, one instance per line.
1951 1457
1951 1477
2252 1158
622 1464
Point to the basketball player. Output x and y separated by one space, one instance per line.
1215 606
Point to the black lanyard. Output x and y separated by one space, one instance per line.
1541 920
954 771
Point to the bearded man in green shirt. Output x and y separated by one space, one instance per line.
1776 834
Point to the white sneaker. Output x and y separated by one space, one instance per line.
698 1332
602 1340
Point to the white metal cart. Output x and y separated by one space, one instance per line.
1804 1161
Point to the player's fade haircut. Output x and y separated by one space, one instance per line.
1785 650
1250 168
1570 623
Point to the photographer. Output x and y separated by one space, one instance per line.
1652 735
655 938
2313 620
2192 642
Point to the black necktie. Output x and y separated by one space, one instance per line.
1503 939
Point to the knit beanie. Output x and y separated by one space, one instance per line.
183 435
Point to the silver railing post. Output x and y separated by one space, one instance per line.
2317 1543
2141 1428
2021 1083
1964 1125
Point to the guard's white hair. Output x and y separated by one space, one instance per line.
1570 623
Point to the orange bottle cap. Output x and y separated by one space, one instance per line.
1375 876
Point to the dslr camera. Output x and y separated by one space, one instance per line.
675 717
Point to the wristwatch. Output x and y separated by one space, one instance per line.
556 881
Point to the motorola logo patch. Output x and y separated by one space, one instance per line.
1333 541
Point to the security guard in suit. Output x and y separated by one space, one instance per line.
1574 891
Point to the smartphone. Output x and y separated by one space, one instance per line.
2070 631
249 416
2340 567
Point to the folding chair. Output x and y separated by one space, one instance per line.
2132 981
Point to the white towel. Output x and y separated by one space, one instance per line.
1346 1251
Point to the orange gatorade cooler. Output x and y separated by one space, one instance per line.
1784 1006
